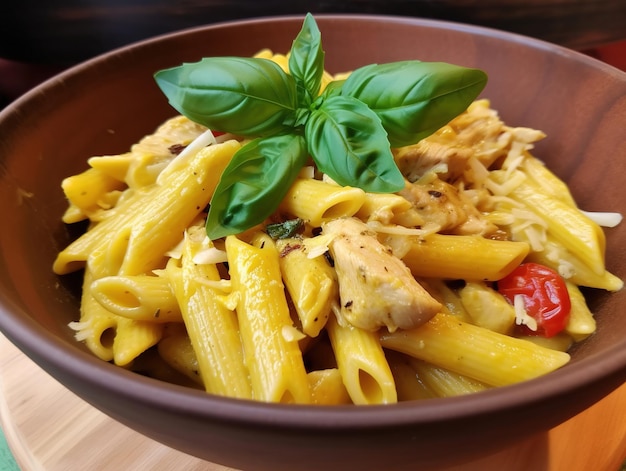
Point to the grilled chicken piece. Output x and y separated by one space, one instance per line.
376 288
440 203
478 132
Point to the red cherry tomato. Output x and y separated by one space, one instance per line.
545 297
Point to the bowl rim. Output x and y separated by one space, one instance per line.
46 348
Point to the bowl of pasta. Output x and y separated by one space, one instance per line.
340 241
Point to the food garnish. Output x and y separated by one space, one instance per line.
347 129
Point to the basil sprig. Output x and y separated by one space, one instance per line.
348 130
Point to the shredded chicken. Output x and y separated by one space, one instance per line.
478 133
440 203
376 288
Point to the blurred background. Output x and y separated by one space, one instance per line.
40 38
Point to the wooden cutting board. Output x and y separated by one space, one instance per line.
50 429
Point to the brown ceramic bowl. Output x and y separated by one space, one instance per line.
104 105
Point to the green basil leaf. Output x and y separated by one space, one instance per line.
249 97
254 182
348 143
285 229
333 88
414 99
306 61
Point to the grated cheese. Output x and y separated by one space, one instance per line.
291 334
605 219
521 316
205 139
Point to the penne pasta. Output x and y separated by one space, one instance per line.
487 308
581 323
342 295
273 357
445 383
362 364
327 388
566 224
486 356
211 325
139 297
311 283
316 201
134 239
463 257
111 337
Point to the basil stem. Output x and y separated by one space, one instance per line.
348 143
254 182
414 99
249 97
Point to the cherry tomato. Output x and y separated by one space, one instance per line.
545 297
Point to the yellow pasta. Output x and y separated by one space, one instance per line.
486 356
362 364
463 257
409 385
548 181
211 325
581 323
316 201
445 383
135 238
139 297
109 336
178 352
327 387
88 191
274 359
573 268
487 308
568 225
311 282
250 317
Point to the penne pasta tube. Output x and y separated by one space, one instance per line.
273 356
566 224
486 356
311 283
134 239
111 337
409 385
87 189
139 297
581 323
573 269
546 180
487 308
327 388
211 325
445 383
561 341
178 352
385 207
463 257
362 364
317 201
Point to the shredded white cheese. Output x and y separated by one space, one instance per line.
291 334
521 316
318 245
205 139
604 219
210 256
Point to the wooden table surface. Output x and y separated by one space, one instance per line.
49 428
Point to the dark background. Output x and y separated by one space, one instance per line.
41 37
